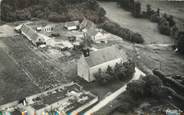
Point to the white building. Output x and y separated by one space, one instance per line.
47 28
31 35
101 59
73 25
101 37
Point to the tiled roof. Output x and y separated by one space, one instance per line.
72 23
29 32
103 55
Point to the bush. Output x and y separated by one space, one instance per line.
137 9
121 71
23 14
124 71
164 28
126 4
102 77
180 42
149 86
64 10
155 18
137 38
55 17
124 33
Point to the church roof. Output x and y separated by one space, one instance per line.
103 55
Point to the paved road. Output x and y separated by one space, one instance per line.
108 99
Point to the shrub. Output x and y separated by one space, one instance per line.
137 38
121 71
126 4
171 21
124 71
55 17
124 33
23 14
149 86
137 9
102 78
155 18
164 28
42 8
180 42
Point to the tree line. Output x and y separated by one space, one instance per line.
166 23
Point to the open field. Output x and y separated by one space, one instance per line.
149 56
147 29
14 82
172 8
40 72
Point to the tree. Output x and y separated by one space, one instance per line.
136 89
110 70
148 86
155 18
171 21
102 77
180 42
164 28
124 71
152 85
137 9
148 10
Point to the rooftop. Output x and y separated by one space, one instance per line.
72 23
103 55
71 95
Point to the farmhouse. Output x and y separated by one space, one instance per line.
73 25
101 59
101 37
32 35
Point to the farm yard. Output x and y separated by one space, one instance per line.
40 72
48 67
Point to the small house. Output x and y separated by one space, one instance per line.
48 28
101 37
100 59
73 25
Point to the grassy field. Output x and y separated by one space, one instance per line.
147 29
175 9
40 72
14 82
